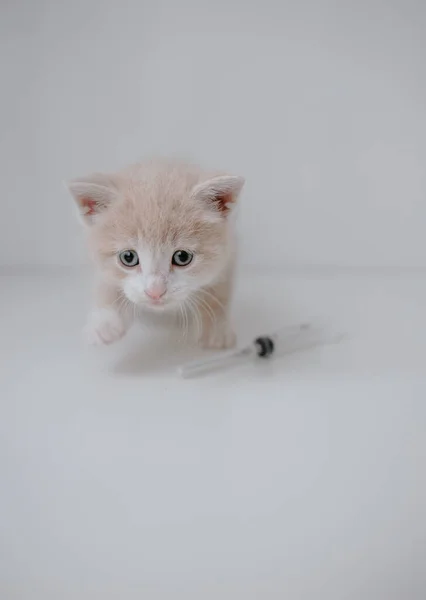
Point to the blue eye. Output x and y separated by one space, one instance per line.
129 258
182 258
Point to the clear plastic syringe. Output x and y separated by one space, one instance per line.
285 341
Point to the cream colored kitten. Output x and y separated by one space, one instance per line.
162 239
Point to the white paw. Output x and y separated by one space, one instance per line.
104 327
218 337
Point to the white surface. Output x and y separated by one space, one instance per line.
301 478
321 105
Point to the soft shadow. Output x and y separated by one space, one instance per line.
157 352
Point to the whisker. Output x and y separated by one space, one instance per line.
189 311
185 309
120 298
197 315
183 321
121 303
208 309
213 297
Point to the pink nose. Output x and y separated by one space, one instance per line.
155 292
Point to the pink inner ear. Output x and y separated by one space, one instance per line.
89 206
223 201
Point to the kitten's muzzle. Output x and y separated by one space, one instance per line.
156 291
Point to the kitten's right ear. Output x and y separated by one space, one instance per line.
93 195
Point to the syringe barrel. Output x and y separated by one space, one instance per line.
224 360
287 340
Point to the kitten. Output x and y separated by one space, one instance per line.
162 237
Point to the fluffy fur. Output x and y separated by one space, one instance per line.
155 209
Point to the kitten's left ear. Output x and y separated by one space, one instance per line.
93 195
219 193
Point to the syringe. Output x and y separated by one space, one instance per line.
288 340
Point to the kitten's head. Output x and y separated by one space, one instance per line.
159 231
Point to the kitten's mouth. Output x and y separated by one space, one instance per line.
159 303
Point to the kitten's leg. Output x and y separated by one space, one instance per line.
214 305
108 321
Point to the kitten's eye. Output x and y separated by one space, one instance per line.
129 258
181 258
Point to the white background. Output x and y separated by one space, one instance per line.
321 105
299 478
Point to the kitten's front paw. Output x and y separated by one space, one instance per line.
104 327
218 337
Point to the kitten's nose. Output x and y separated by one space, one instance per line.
156 291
